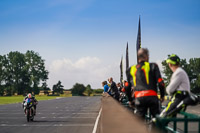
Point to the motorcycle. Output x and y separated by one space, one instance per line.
29 109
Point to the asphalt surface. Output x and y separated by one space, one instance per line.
64 115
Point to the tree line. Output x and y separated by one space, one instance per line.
81 90
22 73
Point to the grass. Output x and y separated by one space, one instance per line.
19 99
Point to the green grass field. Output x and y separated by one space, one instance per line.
19 99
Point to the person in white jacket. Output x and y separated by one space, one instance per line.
178 88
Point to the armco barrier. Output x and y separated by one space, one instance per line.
115 118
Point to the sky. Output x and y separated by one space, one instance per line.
82 41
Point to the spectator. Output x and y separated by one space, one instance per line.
105 87
119 87
113 89
144 78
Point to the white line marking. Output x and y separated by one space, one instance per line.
97 121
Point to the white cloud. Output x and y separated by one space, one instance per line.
86 70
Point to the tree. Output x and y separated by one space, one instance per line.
99 91
17 67
88 90
36 70
167 72
8 71
21 73
58 88
191 68
78 89
2 75
45 88
194 67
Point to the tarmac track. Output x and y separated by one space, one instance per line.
64 115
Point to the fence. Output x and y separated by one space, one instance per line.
163 123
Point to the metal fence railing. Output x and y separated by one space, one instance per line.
163 123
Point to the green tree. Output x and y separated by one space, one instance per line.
17 67
36 70
2 75
21 73
88 90
58 88
98 91
55 90
45 88
194 67
78 89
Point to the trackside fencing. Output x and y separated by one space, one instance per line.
163 123
169 125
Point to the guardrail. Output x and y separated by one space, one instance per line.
162 123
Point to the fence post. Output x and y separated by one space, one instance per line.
175 125
186 125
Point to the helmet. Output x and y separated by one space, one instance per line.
173 59
29 95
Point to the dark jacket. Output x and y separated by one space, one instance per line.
144 76
114 89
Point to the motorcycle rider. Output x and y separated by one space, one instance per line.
34 101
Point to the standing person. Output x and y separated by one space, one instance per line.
105 87
179 86
144 78
113 89
119 87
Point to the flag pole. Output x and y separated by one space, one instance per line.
121 70
138 42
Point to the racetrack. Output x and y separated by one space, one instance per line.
64 115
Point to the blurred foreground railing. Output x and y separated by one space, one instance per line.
169 125
163 123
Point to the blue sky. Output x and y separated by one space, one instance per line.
83 40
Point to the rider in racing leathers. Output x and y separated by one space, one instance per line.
34 100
